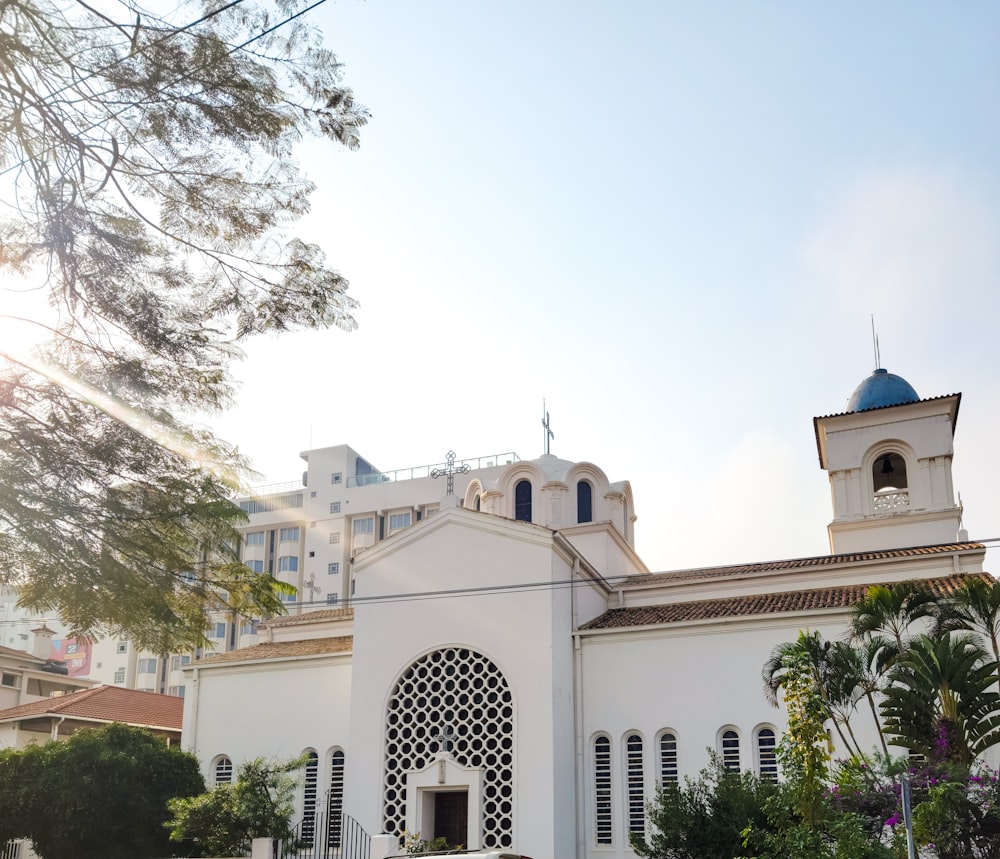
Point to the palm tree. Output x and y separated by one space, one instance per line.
976 607
889 612
821 658
859 672
939 701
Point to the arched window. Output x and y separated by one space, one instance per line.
478 502
889 472
889 483
636 788
522 501
464 691
602 789
731 750
584 502
767 761
223 770
335 804
309 798
668 758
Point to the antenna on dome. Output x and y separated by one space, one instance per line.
878 358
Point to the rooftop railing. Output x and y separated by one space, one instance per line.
474 464
375 477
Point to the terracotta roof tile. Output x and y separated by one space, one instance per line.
757 604
797 564
282 649
108 704
311 617
18 654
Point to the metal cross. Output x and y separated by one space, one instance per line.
444 737
450 470
549 435
311 586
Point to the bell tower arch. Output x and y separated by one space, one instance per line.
889 460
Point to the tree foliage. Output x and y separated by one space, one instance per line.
227 818
148 169
940 700
706 817
101 794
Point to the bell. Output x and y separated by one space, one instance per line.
887 465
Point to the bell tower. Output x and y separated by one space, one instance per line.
889 460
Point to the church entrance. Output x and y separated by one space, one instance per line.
451 817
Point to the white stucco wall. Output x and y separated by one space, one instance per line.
268 709
526 633
695 679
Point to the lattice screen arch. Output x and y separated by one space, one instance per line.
461 694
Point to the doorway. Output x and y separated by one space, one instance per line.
451 817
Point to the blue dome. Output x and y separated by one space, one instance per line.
881 388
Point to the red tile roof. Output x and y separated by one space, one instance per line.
798 564
107 704
18 654
282 649
759 604
311 617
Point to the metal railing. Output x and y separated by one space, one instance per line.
415 472
11 850
319 836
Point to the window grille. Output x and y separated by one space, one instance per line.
308 831
335 805
668 758
767 760
636 788
602 789
731 751
223 770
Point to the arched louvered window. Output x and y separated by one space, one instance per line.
584 502
309 798
636 798
335 805
731 750
522 501
602 789
668 758
767 760
223 770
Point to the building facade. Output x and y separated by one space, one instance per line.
497 665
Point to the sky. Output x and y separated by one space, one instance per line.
673 222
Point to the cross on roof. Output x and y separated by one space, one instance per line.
311 586
450 470
549 435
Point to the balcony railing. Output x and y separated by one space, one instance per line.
425 470
891 502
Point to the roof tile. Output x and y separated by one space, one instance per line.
282 649
311 617
759 604
796 564
109 704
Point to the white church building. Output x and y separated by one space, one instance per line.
496 665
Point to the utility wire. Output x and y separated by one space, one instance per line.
557 584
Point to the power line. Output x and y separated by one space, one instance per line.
528 587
